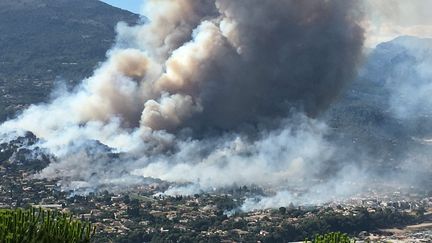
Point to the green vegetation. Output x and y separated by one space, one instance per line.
333 237
40 226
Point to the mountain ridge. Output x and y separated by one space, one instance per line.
47 40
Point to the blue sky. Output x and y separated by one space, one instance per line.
131 5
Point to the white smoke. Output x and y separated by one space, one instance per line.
282 156
344 184
187 98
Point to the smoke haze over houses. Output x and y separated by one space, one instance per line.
212 94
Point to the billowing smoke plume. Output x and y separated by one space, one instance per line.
245 60
252 49
178 96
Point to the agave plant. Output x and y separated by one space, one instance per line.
334 237
42 226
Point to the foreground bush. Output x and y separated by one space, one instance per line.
334 237
40 226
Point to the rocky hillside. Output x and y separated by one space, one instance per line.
388 108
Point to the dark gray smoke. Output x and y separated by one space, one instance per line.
246 60
283 54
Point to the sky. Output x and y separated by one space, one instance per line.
386 19
130 5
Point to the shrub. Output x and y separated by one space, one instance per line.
40 226
334 237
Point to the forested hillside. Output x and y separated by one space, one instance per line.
42 41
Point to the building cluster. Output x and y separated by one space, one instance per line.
205 216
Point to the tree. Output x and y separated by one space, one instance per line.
420 211
133 209
126 199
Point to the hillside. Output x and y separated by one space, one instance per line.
46 40
387 109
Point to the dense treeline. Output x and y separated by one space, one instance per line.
283 225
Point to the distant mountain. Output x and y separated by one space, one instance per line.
404 68
45 40
388 108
